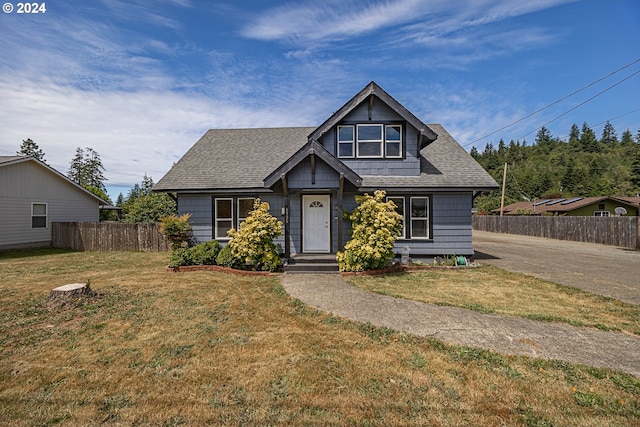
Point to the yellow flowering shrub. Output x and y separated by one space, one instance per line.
375 224
252 246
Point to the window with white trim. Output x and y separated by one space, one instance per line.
601 213
346 139
419 217
393 140
38 215
223 221
369 140
245 205
399 202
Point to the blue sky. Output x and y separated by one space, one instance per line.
139 81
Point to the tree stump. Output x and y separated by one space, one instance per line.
62 294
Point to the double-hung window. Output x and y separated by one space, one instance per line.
399 202
346 141
370 141
223 217
419 217
245 206
38 215
393 140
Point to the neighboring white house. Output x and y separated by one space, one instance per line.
32 196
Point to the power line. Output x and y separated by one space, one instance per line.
581 104
555 102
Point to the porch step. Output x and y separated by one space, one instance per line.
312 263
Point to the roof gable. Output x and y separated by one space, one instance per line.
12 160
365 95
312 148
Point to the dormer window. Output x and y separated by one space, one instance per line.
370 141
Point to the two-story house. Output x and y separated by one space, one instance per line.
310 175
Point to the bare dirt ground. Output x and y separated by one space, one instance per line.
601 269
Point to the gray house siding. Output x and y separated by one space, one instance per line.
450 225
201 208
380 113
24 183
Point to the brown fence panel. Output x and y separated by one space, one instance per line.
107 236
615 231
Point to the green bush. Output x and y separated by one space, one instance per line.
180 256
205 253
225 257
200 254
375 225
177 230
252 244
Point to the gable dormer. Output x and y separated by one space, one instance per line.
373 134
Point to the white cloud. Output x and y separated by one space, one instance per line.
336 20
134 133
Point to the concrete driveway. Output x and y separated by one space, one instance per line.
604 270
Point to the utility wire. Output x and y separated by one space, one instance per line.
555 102
581 104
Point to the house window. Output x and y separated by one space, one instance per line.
38 215
393 140
369 140
419 217
345 141
244 207
601 213
223 217
399 202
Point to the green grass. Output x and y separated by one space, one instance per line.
164 349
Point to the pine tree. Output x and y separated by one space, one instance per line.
31 149
588 139
609 134
86 169
147 185
627 138
635 171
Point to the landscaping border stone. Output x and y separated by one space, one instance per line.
216 268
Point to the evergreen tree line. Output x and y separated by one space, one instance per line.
86 169
582 166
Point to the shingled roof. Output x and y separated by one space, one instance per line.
241 159
233 159
445 165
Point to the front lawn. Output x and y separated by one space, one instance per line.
201 348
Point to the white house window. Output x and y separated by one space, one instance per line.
601 213
223 221
345 141
38 215
399 202
245 205
419 217
393 140
369 140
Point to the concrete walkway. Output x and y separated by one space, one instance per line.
504 334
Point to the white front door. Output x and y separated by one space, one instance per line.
316 217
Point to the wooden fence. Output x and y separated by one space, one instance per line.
615 231
107 236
